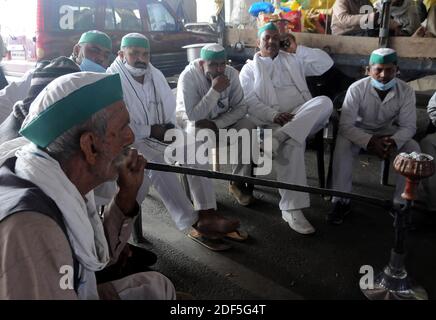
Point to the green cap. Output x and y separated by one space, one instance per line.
383 56
213 51
268 26
96 37
69 101
135 40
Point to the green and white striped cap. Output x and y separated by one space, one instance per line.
96 37
213 51
69 101
135 40
383 56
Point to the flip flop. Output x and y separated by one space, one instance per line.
211 244
238 235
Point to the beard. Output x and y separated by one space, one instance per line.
141 65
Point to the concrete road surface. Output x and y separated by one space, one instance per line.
278 263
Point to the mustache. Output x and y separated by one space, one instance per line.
141 65
119 160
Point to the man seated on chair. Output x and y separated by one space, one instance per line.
52 240
278 98
209 96
152 109
379 116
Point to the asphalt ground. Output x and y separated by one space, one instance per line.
278 263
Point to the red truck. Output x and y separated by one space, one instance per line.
59 24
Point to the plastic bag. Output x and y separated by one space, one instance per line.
261 7
294 20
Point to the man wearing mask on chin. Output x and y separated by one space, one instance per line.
379 116
93 51
152 108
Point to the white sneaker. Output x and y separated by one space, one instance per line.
297 221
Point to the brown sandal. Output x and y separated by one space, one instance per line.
216 244
238 235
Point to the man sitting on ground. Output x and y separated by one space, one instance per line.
52 240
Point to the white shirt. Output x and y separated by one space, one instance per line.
286 71
197 100
283 84
364 114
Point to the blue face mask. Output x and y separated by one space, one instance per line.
383 86
91 66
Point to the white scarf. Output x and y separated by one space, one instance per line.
263 87
127 81
83 224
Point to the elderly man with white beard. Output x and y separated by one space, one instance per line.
152 109
52 239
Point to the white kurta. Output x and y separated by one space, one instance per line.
197 100
154 103
15 91
272 86
364 115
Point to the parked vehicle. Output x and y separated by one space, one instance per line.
61 22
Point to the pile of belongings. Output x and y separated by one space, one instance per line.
294 15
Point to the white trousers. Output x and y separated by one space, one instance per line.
240 168
428 145
171 191
289 164
343 157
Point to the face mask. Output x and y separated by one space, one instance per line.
91 66
135 72
383 86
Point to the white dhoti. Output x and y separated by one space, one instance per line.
171 191
240 168
289 164
343 157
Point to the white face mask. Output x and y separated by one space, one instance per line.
135 72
